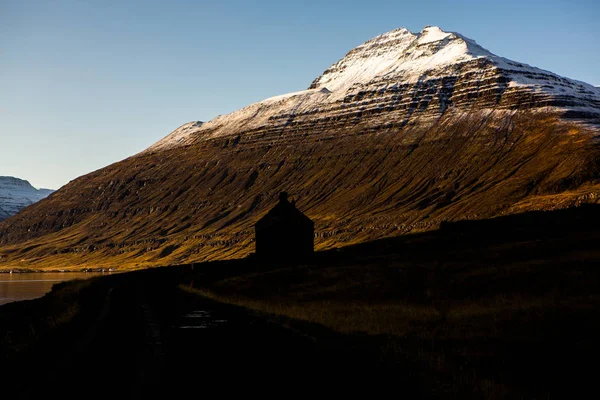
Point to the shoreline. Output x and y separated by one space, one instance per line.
59 271
25 286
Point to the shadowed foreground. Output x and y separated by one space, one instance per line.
502 308
150 339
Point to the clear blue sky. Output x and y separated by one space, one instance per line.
87 83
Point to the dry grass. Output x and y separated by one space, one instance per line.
344 317
26 324
505 314
500 346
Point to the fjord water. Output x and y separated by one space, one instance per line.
26 286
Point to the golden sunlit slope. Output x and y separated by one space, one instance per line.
357 183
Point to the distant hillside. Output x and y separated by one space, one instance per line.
16 194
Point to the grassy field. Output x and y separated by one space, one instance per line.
502 308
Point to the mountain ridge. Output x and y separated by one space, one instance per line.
411 58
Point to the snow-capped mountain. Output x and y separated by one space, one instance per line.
16 194
402 75
406 131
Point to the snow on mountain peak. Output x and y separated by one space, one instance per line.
400 52
432 34
416 64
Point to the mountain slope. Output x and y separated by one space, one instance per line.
406 131
16 194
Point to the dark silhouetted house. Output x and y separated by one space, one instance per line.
284 233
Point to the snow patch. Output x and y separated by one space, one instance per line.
295 94
432 34
177 136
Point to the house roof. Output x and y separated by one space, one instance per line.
284 212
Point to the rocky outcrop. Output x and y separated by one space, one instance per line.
407 131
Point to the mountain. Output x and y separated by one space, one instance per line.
16 194
403 75
404 132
